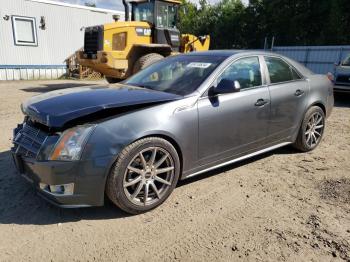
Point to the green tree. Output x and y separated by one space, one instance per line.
292 22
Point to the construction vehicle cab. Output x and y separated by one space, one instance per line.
163 17
122 48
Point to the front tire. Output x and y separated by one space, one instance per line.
144 175
311 130
145 61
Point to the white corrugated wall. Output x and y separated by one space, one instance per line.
61 38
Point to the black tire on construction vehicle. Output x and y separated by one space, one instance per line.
113 80
146 60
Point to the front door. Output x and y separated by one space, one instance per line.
234 123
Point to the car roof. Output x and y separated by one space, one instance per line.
239 53
228 53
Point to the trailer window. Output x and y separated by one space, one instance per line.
24 31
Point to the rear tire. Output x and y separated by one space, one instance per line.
144 175
112 80
311 130
145 61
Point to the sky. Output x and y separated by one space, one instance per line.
117 4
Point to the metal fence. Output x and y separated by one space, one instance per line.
319 59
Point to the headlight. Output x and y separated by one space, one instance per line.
70 144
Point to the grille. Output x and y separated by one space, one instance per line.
93 39
28 140
343 78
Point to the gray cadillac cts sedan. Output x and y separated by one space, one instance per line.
180 117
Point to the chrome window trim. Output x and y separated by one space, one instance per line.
228 94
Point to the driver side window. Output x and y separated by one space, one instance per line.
245 70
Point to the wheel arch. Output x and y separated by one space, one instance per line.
140 50
316 103
166 137
172 141
319 104
298 142
143 49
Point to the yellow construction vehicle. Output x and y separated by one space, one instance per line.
122 48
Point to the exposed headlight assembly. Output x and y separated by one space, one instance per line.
71 143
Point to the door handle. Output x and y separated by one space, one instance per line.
260 102
299 92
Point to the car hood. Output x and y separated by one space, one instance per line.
56 108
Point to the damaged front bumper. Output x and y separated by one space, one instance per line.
62 183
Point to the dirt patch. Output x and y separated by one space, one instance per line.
336 190
280 206
322 238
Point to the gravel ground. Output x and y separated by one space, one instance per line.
281 206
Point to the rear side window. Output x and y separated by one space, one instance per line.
280 71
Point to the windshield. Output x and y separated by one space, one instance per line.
180 74
143 11
346 62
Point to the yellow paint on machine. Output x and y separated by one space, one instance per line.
125 42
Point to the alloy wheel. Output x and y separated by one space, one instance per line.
148 176
314 129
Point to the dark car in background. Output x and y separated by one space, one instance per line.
342 75
180 117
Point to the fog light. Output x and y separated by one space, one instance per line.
65 189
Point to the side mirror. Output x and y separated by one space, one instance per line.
226 86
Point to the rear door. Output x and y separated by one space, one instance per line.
288 91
